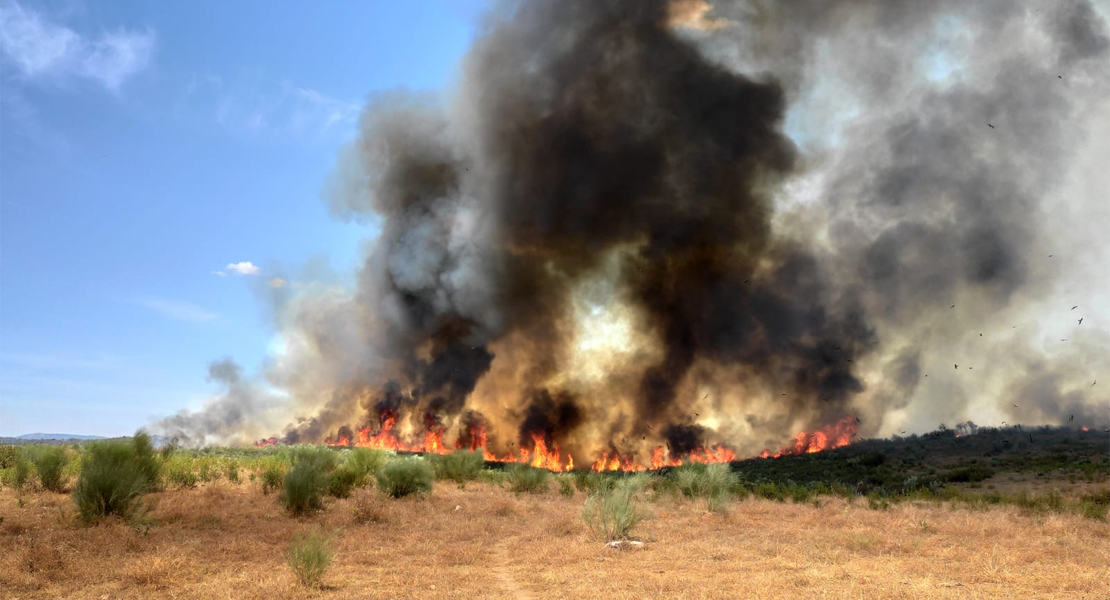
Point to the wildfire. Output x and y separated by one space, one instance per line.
545 453
831 436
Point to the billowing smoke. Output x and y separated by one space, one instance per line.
637 223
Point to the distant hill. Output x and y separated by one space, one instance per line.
59 436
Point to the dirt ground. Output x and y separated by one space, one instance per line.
228 541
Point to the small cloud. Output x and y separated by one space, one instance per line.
277 282
243 268
40 48
181 311
220 273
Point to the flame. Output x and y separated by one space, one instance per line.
831 436
545 453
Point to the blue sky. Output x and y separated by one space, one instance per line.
160 165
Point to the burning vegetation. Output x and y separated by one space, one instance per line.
628 239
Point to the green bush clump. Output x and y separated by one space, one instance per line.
50 462
273 477
613 513
179 472
711 482
524 478
18 473
1095 505
231 470
308 479
566 486
366 462
459 466
310 556
9 454
404 477
342 481
113 478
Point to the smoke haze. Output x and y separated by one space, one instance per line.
637 223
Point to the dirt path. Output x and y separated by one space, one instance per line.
505 579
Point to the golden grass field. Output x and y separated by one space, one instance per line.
228 541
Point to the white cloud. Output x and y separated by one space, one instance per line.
242 268
182 311
250 103
277 282
39 48
220 273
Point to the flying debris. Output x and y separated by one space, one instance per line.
956 366
1075 307
1080 320
1071 419
953 306
989 125
1063 339
1093 383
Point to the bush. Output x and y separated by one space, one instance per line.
310 556
50 462
460 466
342 481
711 482
231 470
19 473
612 514
366 462
524 478
146 460
273 478
9 455
404 477
112 480
566 486
1096 505
179 472
307 481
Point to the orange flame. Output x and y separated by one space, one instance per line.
831 436
545 454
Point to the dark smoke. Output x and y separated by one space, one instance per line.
647 147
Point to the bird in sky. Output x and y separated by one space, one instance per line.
991 126
1075 307
956 366
1080 320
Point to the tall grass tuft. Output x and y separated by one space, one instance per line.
613 513
711 482
308 479
50 463
460 466
273 477
113 478
405 477
524 478
366 462
310 556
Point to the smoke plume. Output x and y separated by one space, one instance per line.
637 223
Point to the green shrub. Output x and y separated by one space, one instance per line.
9 454
113 478
146 460
1096 505
590 482
524 478
366 462
179 472
19 473
404 477
494 478
613 514
50 462
231 470
877 502
711 482
566 486
342 481
308 479
460 466
273 478
310 556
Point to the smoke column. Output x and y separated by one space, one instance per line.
636 223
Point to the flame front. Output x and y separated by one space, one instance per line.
545 454
831 436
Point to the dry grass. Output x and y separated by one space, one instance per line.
225 541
